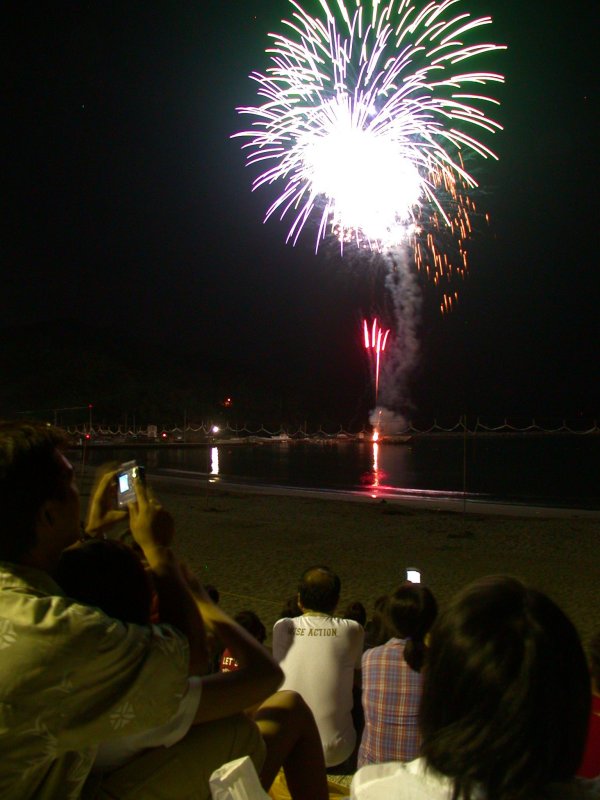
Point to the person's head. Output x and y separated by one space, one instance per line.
376 633
506 692
38 495
409 614
109 575
212 592
319 590
291 608
357 612
251 622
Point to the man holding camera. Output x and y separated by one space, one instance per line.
72 677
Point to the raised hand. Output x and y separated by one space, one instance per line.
102 513
151 525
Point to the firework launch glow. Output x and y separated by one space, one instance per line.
367 116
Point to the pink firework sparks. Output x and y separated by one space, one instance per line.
375 341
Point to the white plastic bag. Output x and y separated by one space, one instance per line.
236 780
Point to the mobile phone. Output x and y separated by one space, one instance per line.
126 482
413 575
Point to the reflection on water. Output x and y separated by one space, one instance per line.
391 470
214 460
557 470
375 483
372 480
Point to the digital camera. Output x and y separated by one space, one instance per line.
126 482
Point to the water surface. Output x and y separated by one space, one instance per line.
554 470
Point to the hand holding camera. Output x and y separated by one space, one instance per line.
102 513
151 525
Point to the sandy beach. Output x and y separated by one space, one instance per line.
253 547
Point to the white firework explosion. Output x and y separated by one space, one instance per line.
364 122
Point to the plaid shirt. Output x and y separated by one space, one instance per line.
390 697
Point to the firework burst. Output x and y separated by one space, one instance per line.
366 114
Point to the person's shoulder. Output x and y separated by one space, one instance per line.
286 624
354 630
38 604
27 581
391 779
379 650
85 626
351 624
372 654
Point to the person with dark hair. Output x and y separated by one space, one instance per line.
110 576
290 607
73 678
251 623
590 764
35 479
357 612
320 657
375 633
319 589
107 574
504 708
392 680
212 592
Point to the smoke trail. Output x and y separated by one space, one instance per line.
403 355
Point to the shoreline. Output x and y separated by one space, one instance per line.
422 500
252 543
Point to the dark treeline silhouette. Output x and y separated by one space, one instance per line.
53 370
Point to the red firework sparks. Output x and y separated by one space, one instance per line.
375 341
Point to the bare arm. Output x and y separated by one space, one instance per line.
152 528
257 678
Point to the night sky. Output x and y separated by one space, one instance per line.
129 207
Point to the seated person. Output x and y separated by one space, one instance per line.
110 575
590 765
375 633
392 679
290 608
357 612
251 623
504 708
73 678
320 656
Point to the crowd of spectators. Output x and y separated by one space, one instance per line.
122 677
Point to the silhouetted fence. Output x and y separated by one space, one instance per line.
208 431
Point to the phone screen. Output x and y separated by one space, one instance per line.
413 575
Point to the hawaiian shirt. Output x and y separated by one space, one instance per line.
70 678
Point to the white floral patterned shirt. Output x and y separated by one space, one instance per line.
70 678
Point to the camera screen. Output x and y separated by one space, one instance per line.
124 482
413 575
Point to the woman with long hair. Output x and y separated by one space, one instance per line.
505 704
392 680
